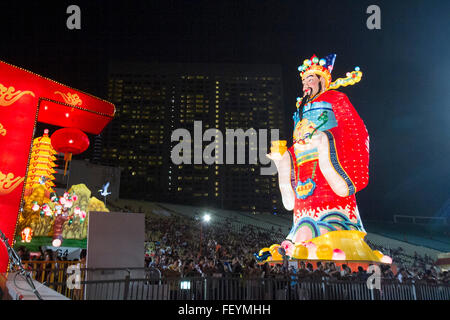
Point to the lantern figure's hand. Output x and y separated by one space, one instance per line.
275 156
311 142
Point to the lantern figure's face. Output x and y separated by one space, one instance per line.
313 84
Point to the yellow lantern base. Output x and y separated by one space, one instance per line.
351 242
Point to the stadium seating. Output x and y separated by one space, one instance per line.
411 238
420 235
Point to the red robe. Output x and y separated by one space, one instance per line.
337 169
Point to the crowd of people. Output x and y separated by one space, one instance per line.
176 248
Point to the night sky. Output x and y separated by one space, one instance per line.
403 98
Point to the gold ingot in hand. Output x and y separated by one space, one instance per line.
278 146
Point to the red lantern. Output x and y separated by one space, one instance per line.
69 141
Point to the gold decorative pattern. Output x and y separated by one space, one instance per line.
72 99
9 95
2 130
8 183
58 83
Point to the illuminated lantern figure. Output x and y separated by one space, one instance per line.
40 169
326 165
69 141
26 234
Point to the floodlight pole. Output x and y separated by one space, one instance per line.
201 232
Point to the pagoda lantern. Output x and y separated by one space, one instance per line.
69 141
40 169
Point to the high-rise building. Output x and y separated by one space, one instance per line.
153 100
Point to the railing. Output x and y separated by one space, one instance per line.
148 284
210 288
49 271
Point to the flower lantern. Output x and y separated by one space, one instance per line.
338 254
59 210
69 141
386 259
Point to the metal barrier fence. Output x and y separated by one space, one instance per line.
210 288
148 284
49 271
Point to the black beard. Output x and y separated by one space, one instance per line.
302 104
307 98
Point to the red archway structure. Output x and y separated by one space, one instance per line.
25 99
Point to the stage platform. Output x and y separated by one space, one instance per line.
15 287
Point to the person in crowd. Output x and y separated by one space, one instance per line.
24 253
83 257
333 272
236 267
302 271
175 267
361 275
319 273
209 268
386 273
189 269
266 273
400 276
252 270
345 272
220 268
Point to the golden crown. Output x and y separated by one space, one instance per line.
324 67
